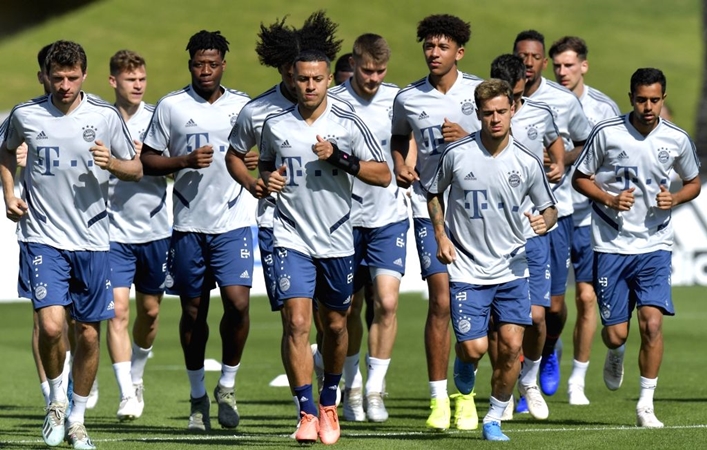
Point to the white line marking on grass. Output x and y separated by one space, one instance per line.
236 437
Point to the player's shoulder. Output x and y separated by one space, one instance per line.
340 101
462 145
536 104
174 97
27 106
279 117
599 97
470 79
97 104
149 107
523 154
413 88
670 128
236 95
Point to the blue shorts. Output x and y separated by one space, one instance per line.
265 242
582 254
143 264
329 280
24 290
537 251
198 260
624 282
427 248
78 279
382 248
473 305
560 243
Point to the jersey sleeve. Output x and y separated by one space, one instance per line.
364 144
579 127
157 136
267 153
12 134
442 178
242 137
539 189
400 125
687 164
551 130
592 154
121 143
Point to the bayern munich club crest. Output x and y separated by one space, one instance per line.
233 118
663 155
532 133
514 179
284 283
467 107
89 133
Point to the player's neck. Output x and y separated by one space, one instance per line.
642 128
311 115
127 110
530 89
286 93
443 83
579 89
360 92
66 109
494 146
209 96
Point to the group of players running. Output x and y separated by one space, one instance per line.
487 168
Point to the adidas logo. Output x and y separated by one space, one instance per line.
622 155
41 135
347 301
470 176
245 274
423 115
398 262
111 306
303 399
286 144
191 123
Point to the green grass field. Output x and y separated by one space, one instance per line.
267 414
622 36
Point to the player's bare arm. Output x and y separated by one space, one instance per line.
21 155
584 184
556 152
251 159
15 207
237 165
154 163
690 189
124 169
542 222
401 150
571 156
451 131
446 253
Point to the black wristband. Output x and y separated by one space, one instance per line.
348 163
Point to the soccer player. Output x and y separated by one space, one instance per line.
309 156
211 242
343 70
488 174
625 171
139 235
534 127
437 109
75 140
277 47
574 129
569 63
380 220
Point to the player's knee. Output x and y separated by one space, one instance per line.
88 333
50 331
586 300
473 350
614 336
652 328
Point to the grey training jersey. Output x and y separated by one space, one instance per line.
621 158
573 126
483 214
205 200
313 211
375 206
534 127
421 109
65 191
597 107
138 211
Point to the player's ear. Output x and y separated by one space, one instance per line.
331 78
224 65
584 66
85 74
460 53
112 81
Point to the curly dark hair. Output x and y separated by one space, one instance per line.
509 68
319 33
529 35
276 44
207 40
446 25
66 54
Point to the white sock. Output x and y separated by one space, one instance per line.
352 374
645 399
579 372
78 409
296 400
529 372
438 389
228 375
138 362
496 408
377 368
122 376
318 360
44 386
66 370
196 382
57 394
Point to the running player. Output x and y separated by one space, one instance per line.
569 63
211 242
625 170
75 140
309 154
380 220
488 175
139 235
437 109
574 130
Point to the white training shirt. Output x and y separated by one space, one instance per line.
205 200
534 127
573 126
483 215
138 211
421 109
620 158
67 194
375 206
312 215
597 107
